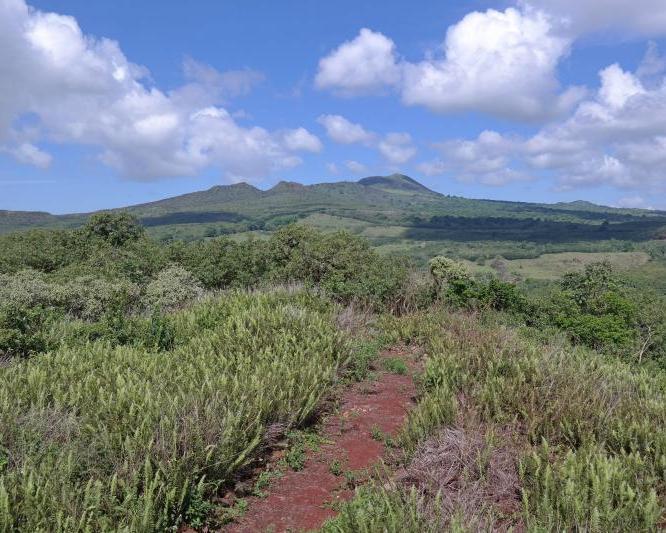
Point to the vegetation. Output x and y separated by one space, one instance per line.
140 379
394 210
587 433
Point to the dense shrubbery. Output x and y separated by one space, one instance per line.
113 247
594 307
456 286
22 330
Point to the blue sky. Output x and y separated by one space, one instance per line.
106 104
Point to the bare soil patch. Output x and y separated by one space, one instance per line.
354 443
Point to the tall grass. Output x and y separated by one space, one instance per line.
592 427
96 438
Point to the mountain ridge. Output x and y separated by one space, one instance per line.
394 201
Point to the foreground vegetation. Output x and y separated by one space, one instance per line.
140 379
587 433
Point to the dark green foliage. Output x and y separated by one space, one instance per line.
341 264
115 228
23 330
41 250
222 263
600 310
454 283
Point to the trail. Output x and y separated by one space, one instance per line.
304 500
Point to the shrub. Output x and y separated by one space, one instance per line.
84 297
23 330
103 439
445 271
343 265
30 288
90 298
115 228
172 287
42 250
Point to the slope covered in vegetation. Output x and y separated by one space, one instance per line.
140 379
387 209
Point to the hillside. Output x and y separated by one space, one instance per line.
386 209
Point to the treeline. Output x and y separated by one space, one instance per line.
111 278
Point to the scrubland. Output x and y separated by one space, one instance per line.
141 380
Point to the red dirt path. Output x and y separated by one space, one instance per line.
302 501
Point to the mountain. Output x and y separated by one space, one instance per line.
384 208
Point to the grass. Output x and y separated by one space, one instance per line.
552 266
95 438
395 365
587 431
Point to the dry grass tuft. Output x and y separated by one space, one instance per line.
468 474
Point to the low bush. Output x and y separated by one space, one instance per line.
172 288
23 330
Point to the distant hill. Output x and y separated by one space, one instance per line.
384 208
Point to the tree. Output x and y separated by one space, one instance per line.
115 228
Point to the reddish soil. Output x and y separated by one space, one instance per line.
303 500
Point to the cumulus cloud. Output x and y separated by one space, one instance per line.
343 131
301 139
75 88
485 160
617 137
365 64
638 17
499 62
355 166
397 148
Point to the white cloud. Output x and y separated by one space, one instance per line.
501 63
616 138
342 131
485 160
638 17
617 86
397 148
301 139
364 64
355 166
79 89
30 155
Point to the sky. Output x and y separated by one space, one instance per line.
112 103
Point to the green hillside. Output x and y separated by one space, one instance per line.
390 210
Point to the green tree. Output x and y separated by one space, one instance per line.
114 228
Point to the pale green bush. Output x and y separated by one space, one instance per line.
172 287
86 297
445 270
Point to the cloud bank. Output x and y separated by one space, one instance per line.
60 85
